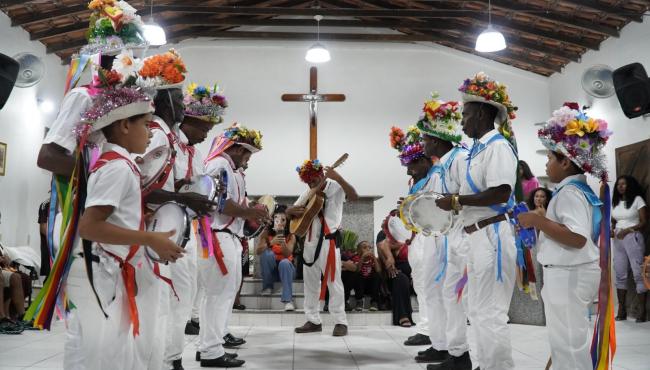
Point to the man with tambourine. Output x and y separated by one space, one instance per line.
443 265
321 255
484 199
204 107
220 263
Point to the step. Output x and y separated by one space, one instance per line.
254 286
272 318
272 301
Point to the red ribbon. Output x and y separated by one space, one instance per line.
218 254
330 266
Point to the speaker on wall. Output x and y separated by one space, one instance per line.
632 89
8 73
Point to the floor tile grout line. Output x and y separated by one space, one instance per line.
347 345
394 340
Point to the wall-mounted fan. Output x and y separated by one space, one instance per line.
32 69
597 81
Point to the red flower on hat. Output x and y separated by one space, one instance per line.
572 105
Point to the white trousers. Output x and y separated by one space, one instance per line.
489 299
312 279
220 292
416 261
183 275
447 318
567 293
119 348
79 350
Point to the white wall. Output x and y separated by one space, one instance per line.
385 85
629 48
24 185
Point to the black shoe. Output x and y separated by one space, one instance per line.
231 355
232 342
239 307
463 362
348 308
432 355
192 328
418 340
10 327
223 361
326 308
309 327
177 364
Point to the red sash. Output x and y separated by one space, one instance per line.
128 270
218 253
330 265
190 151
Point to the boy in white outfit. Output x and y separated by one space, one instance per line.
124 276
569 233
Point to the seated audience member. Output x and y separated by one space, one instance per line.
365 278
275 248
393 253
12 298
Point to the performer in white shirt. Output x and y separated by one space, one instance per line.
569 233
204 107
485 196
57 155
419 167
321 254
220 266
126 280
445 262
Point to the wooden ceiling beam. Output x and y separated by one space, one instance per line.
58 31
52 14
609 10
567 21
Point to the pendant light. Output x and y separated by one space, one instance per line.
153 33
490 40
317 53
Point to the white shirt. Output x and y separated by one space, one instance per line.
570 208
333 211
61 132
627 217
159 139
454 174
183 157
116 185
236 192
494 166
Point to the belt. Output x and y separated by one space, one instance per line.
93 257
487 222
228 231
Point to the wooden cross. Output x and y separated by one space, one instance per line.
313 98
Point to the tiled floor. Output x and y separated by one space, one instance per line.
366 347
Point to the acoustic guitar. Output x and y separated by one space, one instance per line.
313 204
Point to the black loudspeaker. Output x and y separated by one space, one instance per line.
8 73
632 89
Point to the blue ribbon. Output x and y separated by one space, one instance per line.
443 270
477 148
595 202
51 218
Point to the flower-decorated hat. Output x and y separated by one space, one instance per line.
114 25
114 104
408 145
235 135
441 119
579 137
309 170
162 71
205 103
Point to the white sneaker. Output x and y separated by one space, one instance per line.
289 307
267 291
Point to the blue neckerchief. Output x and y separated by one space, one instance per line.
595 202
477 148
420 184
447 165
